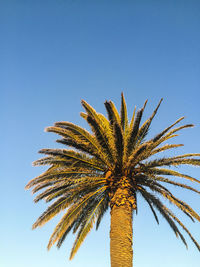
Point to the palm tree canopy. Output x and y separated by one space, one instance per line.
83 180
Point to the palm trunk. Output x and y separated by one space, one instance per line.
121 232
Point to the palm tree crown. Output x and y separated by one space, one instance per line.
84 181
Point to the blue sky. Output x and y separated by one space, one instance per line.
55 53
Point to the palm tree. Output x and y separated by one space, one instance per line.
110 168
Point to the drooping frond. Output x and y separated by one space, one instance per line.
174 200
151 206
71 215
158 204
166 180
162 171
86 226
163 211
102 210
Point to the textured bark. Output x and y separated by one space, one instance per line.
121 232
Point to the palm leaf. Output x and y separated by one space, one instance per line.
123 113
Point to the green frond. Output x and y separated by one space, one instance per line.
115 112
151 207
59 205
102 210
155 111
184 228
109 112
83 115
135 156
143 131
85 229
163 139
41 185
71 154
158 136
166 180
162 171
132 119
112 112
180 128
119 142
66 180
57 174
98 128
71 215
82 217
101 137
179 161
147 123
77 190
86 212
90 110
49 191
123 113
83 147
187 155
62 131
63 237
134 131
109 134
173 161
177 202
165 147
52 160
67 184
163 211
79 138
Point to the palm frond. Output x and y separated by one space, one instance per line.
132 119
151 207
119 142
98 128
74 156
162 171
85 229
123 113
102 210
158 136
71 215
112 112
143 131
166 180
174 200
163 148
164 212
134 131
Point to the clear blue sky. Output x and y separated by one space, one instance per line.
56 52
